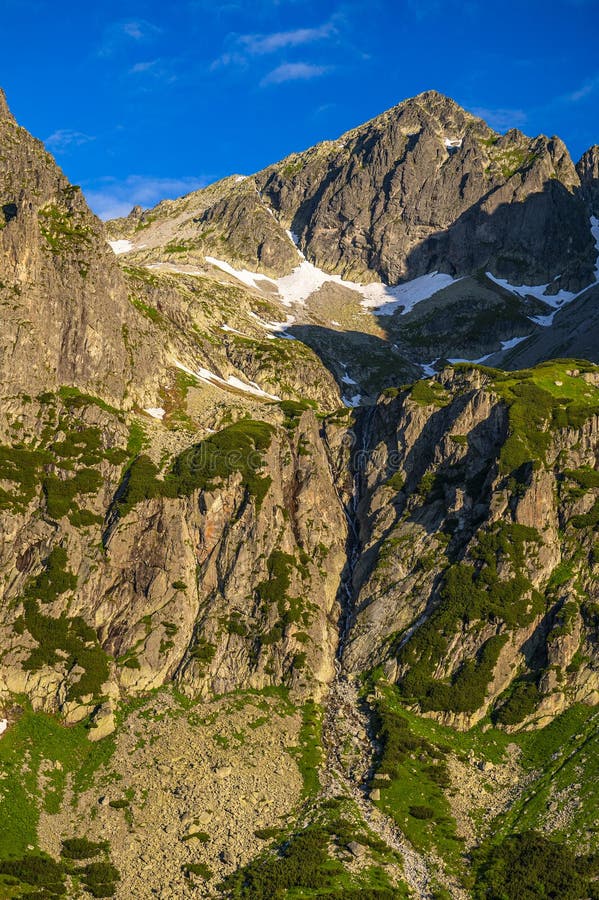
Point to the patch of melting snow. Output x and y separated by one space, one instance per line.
455 360
513 342
345 378
545 321
276 329
384 299
244 275
535 290
3 725
352 402
226 327
306 279
452 143
231 382
428 368
119 247
557 301
239 178
157 412
505 345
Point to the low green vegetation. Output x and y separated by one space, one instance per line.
412 776
36 742
150 312
308 753
471 593
429 393
69 641
530 865
274 591
239 448
306 863
62 228
522 699
552 395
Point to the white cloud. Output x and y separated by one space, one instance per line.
242 47
259 44
64 138
111 198
299 71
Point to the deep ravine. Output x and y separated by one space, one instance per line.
349 745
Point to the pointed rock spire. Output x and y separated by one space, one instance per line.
588 170
5 112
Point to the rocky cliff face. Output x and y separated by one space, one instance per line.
477 568
63 298
588 172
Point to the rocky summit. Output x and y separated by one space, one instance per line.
299 499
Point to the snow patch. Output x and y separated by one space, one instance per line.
156 412
535 290
428 368
3 725
246 277
347 380
231 382
352 402
458 359
513 342
384 300
119 247
307 278
276 329
556 301
505 345
452 144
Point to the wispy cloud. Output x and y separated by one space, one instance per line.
61 140
501 118
160 69
120 34
141 67
258 44
111 198
243 47
299 71
582 91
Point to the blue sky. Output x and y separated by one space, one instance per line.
140 99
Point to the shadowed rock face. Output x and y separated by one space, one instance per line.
588 171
